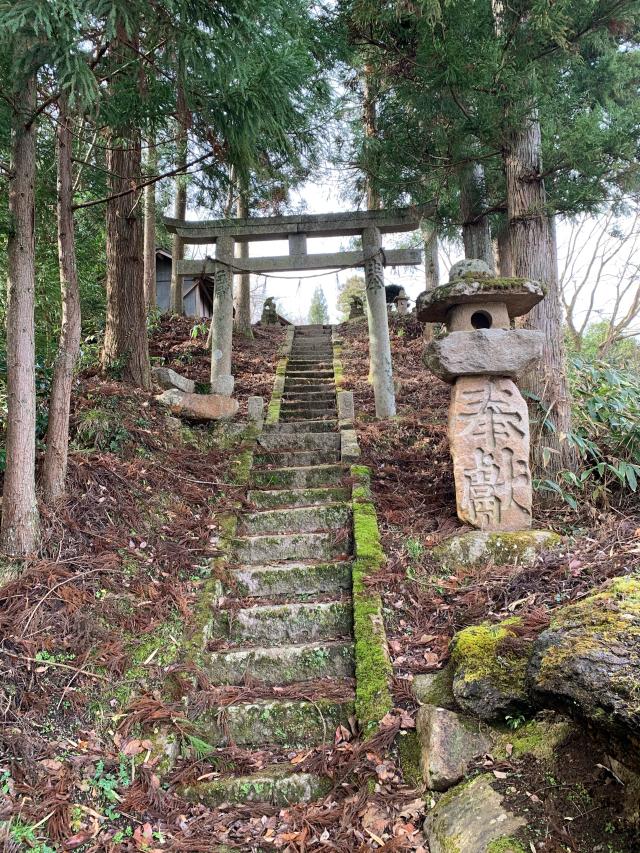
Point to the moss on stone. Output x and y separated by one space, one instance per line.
499 549
540 738
506 844
373 666
436 688
409 752
476 651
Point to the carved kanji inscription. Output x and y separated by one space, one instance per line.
489 437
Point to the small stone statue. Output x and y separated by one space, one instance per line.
488 418
402 303
356 307
269 312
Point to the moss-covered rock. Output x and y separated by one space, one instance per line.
435 688
490 678
471 817
588 663
449 743
499 549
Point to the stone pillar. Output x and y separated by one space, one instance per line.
256 410
379 344
489 439
222 320
346 409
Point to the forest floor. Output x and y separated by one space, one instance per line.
120 570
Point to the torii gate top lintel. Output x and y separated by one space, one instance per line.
258 228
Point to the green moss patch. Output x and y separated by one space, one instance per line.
373 666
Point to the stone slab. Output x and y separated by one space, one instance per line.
167 378
449 742
199 407
489 440
484 352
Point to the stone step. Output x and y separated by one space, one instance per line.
272 498
296 519
288 723
276 785
299 441
297 414
275 548
304 426
298 622
295 388
296 458
308 405
313 373
294 579
302 362
297 396
282 664
307 477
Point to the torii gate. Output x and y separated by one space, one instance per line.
369 225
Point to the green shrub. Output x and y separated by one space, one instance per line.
605 435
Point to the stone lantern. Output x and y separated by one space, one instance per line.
480 356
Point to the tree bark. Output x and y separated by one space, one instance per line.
55 459
534 257
180 203
242 302
378 321
505 258
476 230
150 296
20 520
126 346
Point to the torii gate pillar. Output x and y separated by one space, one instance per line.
222 381
379 343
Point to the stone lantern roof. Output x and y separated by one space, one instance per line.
471 284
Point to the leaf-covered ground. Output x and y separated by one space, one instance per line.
88 631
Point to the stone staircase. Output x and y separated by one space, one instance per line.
287 615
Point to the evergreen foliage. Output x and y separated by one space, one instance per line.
318 310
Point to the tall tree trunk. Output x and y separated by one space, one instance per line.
125 342
20 521
505 258
242 302
150 231
55 459
180 203
431 267
369 118
476 230
534 257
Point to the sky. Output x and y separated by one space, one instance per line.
293 292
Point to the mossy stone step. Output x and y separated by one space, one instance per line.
296 414
270 499
299 441
289 723
274 548
283 664
296 458
298 622
309 476
315 397
277 785
297 578
311 373
320 425
296 519
294 389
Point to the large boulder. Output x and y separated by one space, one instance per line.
199 407
588 663
489 673
167 378
449 742
478 548
472 819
